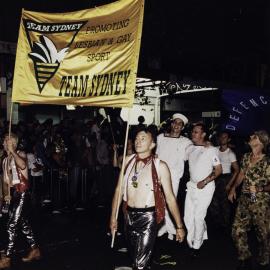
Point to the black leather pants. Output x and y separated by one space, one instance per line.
18 221
141 232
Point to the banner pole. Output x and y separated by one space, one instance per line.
10 119
9 132
121 176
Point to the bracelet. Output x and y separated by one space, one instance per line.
205 182
180 228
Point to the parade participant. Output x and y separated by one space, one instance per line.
16 174
253 208
171 148
220 208
36 168
3 186
145 180
204 168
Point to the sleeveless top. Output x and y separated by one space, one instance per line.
158 194
17 179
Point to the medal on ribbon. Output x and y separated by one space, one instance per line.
134 181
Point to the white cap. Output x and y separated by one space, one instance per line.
180 116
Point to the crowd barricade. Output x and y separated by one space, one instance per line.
57 188
84 186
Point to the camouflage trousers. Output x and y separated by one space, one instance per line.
252 214
220 208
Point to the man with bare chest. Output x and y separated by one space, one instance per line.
144 189
15 172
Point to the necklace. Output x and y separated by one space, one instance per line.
134 178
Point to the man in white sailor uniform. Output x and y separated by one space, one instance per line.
171 148
204 168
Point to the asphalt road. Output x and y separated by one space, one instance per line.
79 240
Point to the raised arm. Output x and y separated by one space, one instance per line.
20 158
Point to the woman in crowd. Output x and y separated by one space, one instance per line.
253 208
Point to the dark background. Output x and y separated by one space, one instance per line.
225 41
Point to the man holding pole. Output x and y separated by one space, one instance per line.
145 179
15 173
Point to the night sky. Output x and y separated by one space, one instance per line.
201 40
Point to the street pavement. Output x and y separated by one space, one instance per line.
80 240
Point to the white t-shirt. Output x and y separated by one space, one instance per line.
15 177
226 158
201 161
173 151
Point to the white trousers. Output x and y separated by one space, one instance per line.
168 226
196 205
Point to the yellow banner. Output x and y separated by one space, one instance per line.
86 57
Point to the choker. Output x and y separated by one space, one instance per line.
144 160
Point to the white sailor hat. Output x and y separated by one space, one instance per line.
180 116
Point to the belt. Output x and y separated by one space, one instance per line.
146 209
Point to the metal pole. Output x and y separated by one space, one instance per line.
121 176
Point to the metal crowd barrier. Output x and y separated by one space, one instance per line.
57 187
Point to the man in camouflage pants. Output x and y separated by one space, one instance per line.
254 203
